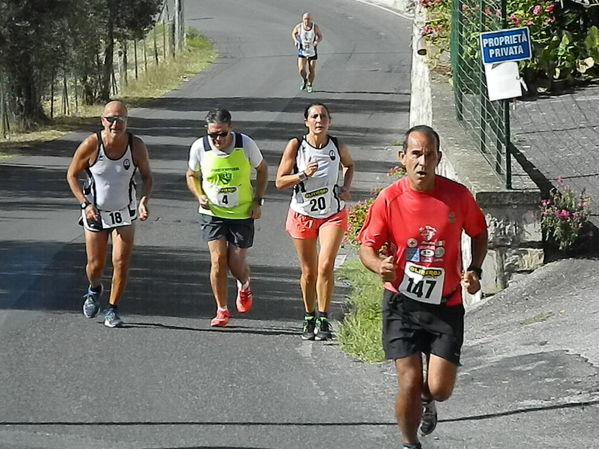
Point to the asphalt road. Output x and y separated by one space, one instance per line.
167 380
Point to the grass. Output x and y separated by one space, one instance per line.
360 332
154 83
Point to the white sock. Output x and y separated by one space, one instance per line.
241 286
222 309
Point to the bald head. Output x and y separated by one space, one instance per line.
115 107
307 19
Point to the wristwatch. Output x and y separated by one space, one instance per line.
84 205
477 270
260 201
302 175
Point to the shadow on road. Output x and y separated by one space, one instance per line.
163 282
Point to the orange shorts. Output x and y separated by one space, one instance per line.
303 227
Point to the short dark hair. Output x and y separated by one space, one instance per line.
307 111
218 116
425 129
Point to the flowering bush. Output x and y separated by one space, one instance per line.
357 213
564 44
563 216
438 21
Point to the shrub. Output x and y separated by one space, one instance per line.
357 212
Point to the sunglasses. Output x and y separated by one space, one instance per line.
116 118
215 135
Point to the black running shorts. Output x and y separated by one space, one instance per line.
411 326
238 232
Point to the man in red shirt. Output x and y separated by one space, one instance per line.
419 220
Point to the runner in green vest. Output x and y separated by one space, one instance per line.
219 176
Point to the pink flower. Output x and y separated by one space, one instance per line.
564 214
488 12
550 8
560 180
536 10
548 19
582 204
464 7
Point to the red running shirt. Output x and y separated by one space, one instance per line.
423 231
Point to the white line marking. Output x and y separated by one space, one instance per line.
384 8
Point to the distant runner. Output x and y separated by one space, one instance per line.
306 36
420 219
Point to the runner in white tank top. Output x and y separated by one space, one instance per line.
108 204
311 166
306 37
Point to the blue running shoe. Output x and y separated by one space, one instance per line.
91 306
309 88
111 319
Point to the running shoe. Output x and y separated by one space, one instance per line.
324 330
412 446
111 319
91 306
244 300
309 88
429 418
309 327
221 319
303 85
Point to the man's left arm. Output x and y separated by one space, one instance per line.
142 160
471 277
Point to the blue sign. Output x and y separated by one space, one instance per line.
505 45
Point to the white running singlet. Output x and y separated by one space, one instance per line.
110 185
318 195
307 40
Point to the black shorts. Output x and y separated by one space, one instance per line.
238 232
411 326
309 58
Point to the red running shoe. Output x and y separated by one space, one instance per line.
244 300
221 319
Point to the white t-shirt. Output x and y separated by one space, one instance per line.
250 148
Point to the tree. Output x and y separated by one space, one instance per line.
31 35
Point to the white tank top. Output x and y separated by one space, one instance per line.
307 39
110 185
318 195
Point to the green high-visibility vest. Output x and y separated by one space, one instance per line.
226 182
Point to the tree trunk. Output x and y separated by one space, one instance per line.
179 28
108 65
25 101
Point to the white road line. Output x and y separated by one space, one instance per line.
397 13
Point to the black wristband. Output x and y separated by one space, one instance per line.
477 270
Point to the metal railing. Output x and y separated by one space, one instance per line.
488 122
